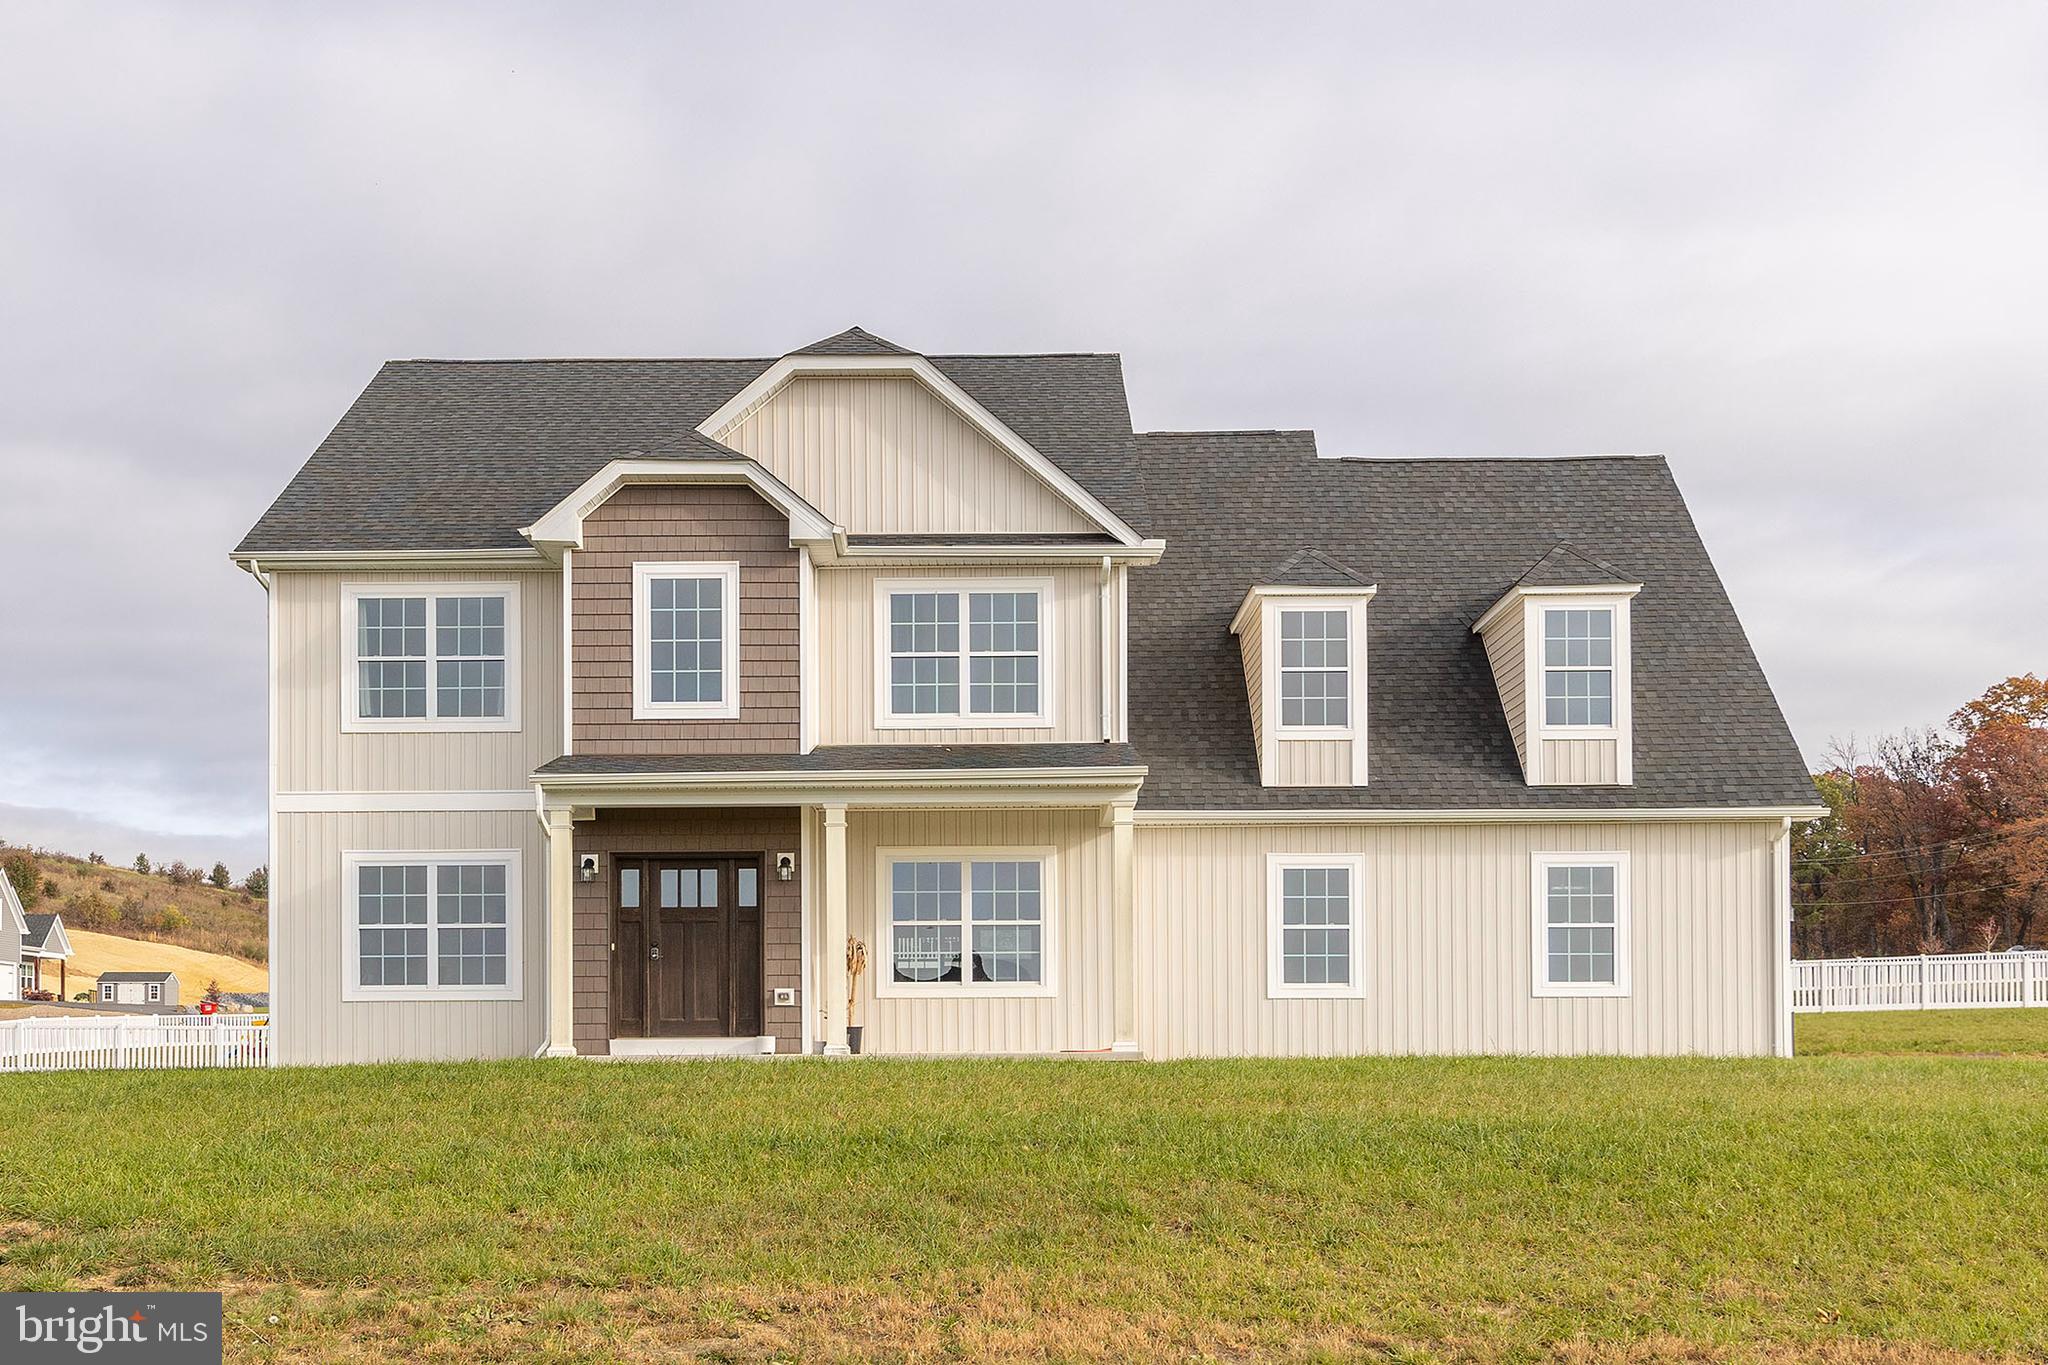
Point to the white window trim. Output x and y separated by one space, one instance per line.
1276 988
964 719
352 723
728 707
1354 674
1539 924
155 992
352 988
1532 627
883 938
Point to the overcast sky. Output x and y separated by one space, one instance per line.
1798 248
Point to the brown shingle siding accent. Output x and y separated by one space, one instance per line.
716 524
742 832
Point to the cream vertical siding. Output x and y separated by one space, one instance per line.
1080 1018
314 1024
1312 763
1251 646
1506 650
1447 914
882 454
1580 762
314 649
848 645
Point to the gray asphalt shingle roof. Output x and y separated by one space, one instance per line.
105 977
38 935
459 454
1443 539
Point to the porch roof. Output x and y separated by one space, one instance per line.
852 758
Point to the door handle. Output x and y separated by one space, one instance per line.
654 952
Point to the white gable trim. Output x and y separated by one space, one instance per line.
56 943
917 367
10 905
562 524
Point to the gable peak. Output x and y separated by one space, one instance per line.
854 340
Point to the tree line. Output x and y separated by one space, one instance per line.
1934 842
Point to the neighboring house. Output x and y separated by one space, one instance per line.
610 698
139 988
27 942
13 929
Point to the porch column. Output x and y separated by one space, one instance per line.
1123 861
561 914
834 945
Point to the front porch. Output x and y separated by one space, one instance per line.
709 908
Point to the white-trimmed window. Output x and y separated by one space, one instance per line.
1315 930
430 926
1581 924
1315 668
969 653
431 656
156 992
965 922
686 641
1578 668
106 990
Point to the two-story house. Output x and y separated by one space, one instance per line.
610 699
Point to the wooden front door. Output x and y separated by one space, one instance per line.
686 947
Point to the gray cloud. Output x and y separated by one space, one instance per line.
1795 248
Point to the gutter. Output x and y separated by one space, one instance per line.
1580 815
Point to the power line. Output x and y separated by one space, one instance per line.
1903 900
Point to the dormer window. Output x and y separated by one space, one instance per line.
1578 667
1303 637
1558 644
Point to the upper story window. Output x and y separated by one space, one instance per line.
1578 667
1315 669
424 926
686 641
1581 927
431 657
966 922
971 653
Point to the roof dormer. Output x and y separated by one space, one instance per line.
1301 629
1558 642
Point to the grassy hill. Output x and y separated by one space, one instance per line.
98 953
150 906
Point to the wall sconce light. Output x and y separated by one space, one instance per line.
785 866
586 867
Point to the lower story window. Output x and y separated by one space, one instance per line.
1580 933
430 926
1314 931
966 924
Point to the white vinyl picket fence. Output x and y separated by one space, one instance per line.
1946 981
147 1042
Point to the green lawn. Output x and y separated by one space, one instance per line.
1420 1209
1982 1033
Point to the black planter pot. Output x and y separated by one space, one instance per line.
853 1039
